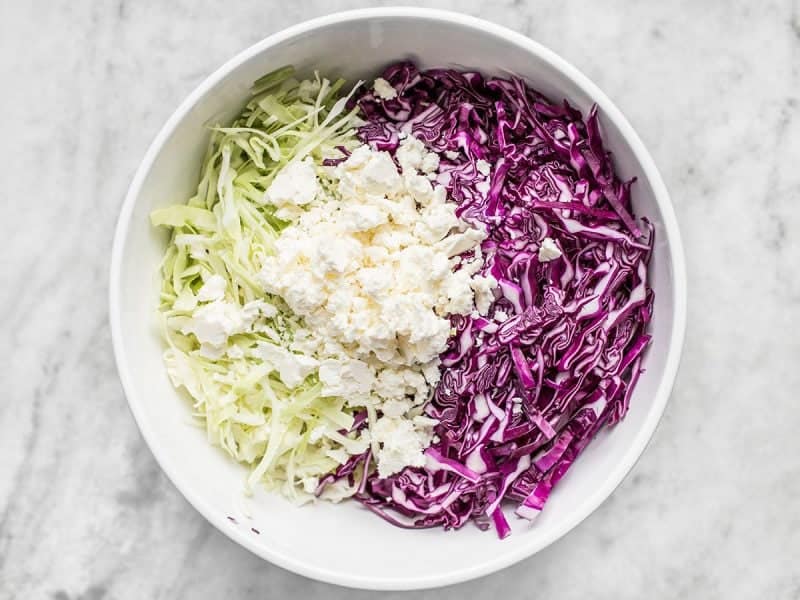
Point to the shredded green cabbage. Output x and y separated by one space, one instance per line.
285 431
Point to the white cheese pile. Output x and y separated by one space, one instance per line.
372 265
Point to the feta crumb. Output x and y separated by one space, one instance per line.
383 89
215 322
294 185
256 308
424 421
371 264
430 163
431 372
484 287
212 289
345 377
412 156
483 167
401 443
548 250
395 408
292 368
451 154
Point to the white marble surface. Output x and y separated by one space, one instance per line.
713 508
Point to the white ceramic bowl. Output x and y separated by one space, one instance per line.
345 544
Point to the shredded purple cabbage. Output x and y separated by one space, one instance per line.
525 388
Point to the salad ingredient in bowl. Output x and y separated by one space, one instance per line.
428 295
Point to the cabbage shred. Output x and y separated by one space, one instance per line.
290 437
527 387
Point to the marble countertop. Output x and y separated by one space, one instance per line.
712 508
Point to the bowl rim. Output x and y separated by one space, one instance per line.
679 301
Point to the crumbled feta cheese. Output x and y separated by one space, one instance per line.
430 163
215 322
390 384
345 377
305 342
399 383
459 293
436 222
383 89
401 443
423 421
483 167
292 368
372 264
375 281
256 308
458 243
431 372
212 289
395 408
484 286
419 188
451 154
548 250
500 316
294 185
362 218
412 156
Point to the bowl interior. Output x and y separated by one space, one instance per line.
327 541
